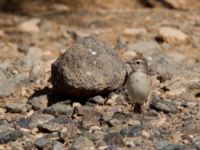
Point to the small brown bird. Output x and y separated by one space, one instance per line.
139 83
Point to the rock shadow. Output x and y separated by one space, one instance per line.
54 97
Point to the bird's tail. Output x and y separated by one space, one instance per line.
138 108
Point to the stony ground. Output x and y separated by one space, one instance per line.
32 118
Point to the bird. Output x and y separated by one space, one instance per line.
139 83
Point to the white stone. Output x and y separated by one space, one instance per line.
60 7
30 26
146 134
129 55
134 31
2 33
172 35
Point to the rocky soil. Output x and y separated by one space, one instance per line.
34 34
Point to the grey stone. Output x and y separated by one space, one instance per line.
114 139
114 122
2 75
23 47
37 119
3 122
37 71
82 143
194 85
119 118
59 109
55 125
34 120
52 136
88 68
50 127
17 145
10 135
62 119
39 102
28 145
4 65
89 116
5 127
161 63
145 48
196 142
116 128
69 131
97 100
48 143
24 122
57 145
9 85
34 54
18 107
164 145
93 136
178 58
42 142
163 105
131 131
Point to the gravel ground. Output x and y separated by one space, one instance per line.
33 116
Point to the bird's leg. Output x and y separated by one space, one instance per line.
138 108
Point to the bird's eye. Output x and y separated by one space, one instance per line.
138 62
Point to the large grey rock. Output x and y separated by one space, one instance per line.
88 68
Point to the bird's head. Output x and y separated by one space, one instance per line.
139 64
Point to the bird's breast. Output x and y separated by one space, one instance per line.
139 86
